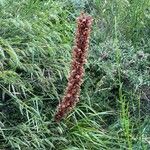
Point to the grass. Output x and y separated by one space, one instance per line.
36 38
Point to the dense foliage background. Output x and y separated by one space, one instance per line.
36 39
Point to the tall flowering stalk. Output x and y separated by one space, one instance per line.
71 96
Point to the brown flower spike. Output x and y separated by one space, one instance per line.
71 96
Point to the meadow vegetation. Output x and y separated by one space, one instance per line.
36 39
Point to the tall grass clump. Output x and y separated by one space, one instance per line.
35 50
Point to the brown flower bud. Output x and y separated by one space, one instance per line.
72 92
